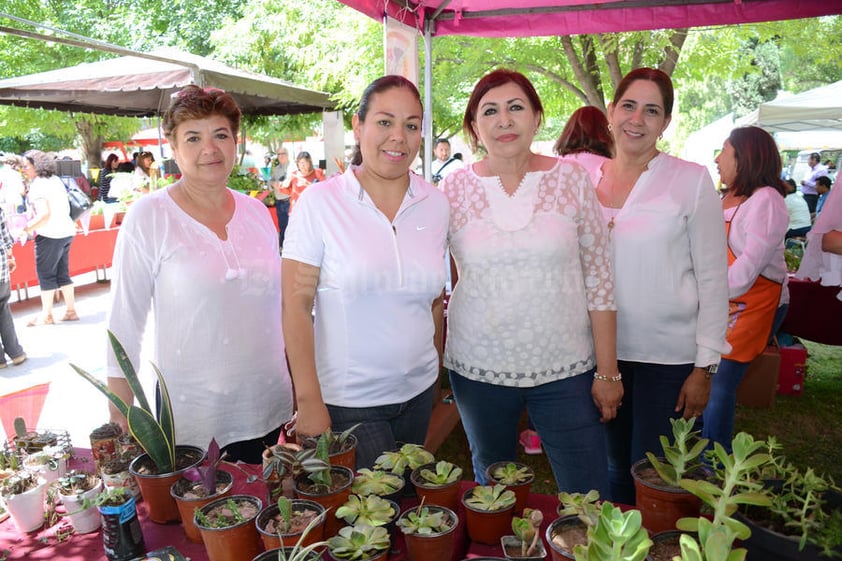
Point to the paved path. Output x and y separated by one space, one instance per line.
71 403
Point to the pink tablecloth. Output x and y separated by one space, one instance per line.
48 545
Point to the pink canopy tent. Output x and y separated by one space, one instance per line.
520 18
507 18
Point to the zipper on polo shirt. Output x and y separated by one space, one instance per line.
397 254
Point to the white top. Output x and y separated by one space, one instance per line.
438 167
799 212
591 162
377 283
818 264
809 186
531 266
11 189
758 227
671 266
59 225
217 316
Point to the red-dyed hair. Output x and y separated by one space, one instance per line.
586 131
758 161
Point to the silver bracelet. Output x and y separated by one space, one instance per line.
617 378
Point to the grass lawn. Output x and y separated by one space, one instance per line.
809 426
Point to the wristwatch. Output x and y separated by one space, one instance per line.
710 370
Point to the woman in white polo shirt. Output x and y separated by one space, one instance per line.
367 248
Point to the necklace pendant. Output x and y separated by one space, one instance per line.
611 223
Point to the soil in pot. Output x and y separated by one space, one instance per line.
272 555
331 498
269 522
665 546
564 534
155 487
229 533
660 504
190 495
767 543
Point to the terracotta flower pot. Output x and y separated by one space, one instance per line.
563 534
275 540
661 505
520 489
332 499
236 542
272 555
432 547
187 505
155 488
442 495
486 526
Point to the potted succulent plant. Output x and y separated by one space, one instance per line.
526 542
803 519
31 441
122 537
717 535
403 460
377 482
342 447
278 460
50 462
438 483
616 536
198 486
23 493
488 512
516 476
370 510
78 491
282 524
227 527
658 495
429 532
163 462
578 512
360 541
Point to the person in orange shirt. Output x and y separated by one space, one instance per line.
303 177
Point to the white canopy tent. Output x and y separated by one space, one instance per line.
816 109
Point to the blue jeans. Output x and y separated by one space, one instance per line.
718 419
650 394
564 416
383 427
282 212
8 335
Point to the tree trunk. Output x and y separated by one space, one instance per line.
91 141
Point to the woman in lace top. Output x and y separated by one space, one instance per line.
532 310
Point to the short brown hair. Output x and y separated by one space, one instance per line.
194 102
495 79
586 131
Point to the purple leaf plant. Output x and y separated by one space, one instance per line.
207 473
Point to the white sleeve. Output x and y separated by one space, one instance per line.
132 286
303 240
762 227
706 229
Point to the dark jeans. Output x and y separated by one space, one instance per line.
718 419
383 427
651 392
564 416
251 451
8 335
797 232
282 212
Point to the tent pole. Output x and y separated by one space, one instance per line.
428 99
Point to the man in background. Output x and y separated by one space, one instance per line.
444 164
808 184
280 188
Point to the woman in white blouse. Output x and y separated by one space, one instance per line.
531 320
670 269
756 221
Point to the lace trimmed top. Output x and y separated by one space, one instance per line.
531 266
